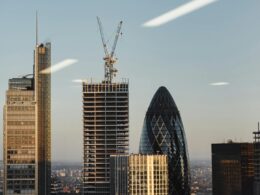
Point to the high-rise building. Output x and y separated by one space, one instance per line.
163 133
56 186
20 164
148 175
27 130
105 117
232 168
42 84
257 161
137 174
106 124
119 174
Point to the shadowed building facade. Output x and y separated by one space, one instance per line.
27 126
163 133
119 174
257 161
232 168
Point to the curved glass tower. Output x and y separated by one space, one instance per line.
163 133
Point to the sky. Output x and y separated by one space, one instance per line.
218 43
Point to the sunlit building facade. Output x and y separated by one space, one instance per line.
106 131
232 168
43 112
163 133
27 128
20 138
148 175
137 174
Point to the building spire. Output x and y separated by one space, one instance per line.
36 30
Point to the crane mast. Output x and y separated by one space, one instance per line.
110 60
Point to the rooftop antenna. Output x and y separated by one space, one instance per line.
36 30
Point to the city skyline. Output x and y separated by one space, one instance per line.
186 60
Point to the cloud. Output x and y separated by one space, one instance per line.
219 83
59 66
178 12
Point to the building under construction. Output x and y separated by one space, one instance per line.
106 124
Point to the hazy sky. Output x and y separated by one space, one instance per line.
218 43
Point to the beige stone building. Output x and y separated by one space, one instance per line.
27 130
138 174
20 141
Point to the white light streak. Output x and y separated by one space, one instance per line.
78 81
178 12
219 83
59 66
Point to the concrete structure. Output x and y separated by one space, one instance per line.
139 175
27 130
232 168
106 131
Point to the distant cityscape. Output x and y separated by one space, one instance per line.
67 178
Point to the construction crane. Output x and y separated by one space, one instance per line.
109 58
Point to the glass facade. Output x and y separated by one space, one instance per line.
43 112
20 140
148 174
163 133
119 174
138 174
232 168
27 126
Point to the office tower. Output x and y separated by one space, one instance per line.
119 174
27 126
163 133
42 83
148 175
56 186
137 174
257 161
20 148
105 112
232 168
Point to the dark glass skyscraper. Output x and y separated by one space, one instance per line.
232 168
163 133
